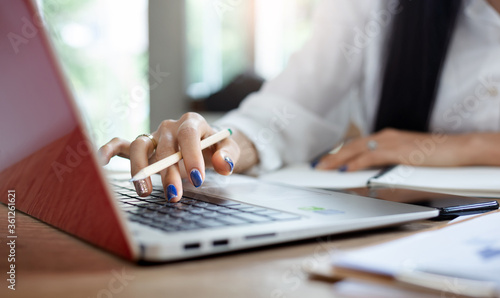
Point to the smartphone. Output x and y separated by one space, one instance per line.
450 206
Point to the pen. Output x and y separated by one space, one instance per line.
176 157
335 150
380 173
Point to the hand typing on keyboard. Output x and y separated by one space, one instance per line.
193 212
185 135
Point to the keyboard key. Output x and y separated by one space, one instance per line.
134 217
188 201
232 220
195 217
184 207
253 209
164 218
177 213
157 192
241 207
201 204
195 210
147 221
212 214
128 207
215 207
131 200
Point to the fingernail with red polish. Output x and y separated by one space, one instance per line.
141 187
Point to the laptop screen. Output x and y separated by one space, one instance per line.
45 156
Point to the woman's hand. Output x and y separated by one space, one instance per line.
391 146
171 136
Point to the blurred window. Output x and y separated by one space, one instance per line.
103 47
228 37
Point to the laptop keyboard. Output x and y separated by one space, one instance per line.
192 212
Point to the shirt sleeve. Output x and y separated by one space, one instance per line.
305 110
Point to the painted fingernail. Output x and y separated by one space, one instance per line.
343 168
196 178
171 192
230 163
141 187
314 163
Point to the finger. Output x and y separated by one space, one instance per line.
172 183
115 147
226 157
188 136
140 150
170 177
347 152
370 159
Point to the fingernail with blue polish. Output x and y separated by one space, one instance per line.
171 192
314 163
343 168
196 178
230 163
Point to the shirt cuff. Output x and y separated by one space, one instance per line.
269 157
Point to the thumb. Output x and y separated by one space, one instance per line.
225 158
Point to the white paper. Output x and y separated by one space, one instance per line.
469 249
304 175
359 289
474 181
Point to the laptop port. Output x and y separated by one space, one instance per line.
222 242
190 246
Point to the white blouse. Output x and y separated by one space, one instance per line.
336 77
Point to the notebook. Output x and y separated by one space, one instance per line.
460 258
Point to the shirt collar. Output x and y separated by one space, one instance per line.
482 11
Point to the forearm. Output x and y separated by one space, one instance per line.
482 148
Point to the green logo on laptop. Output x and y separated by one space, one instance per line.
311 208
321 210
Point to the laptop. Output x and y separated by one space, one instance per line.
49 170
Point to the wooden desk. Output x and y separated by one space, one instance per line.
50 263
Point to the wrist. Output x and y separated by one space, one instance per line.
482 149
